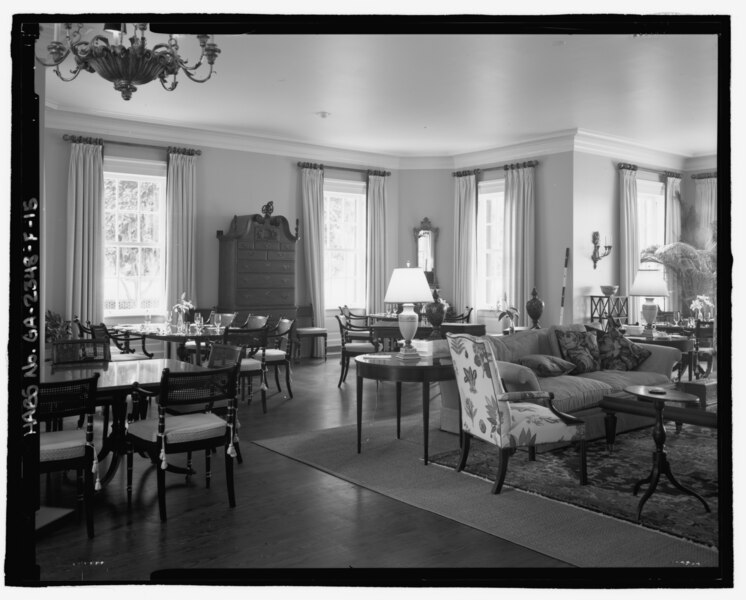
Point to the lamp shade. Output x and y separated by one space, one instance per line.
649 284
408 285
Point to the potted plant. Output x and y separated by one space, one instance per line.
510 313
56 329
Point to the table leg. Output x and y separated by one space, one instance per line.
359 412
114 442
661 465
398 410
425 416
198 355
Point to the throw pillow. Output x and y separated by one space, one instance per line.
545 365
581 349
619 353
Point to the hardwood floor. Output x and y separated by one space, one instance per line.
288 515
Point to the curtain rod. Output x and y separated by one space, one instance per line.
712 175
657 171
76 138
507 167
305 165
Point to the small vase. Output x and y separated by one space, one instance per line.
180 325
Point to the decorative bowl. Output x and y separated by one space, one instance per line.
609 290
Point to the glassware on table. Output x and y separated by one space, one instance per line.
198 322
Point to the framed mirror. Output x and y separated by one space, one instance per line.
425 237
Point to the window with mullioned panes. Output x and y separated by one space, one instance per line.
490 242
344 243
134 237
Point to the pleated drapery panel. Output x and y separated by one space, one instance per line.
181 228
376 243
706 206
312 195
629 250
673 234
519 230
465 242
84 284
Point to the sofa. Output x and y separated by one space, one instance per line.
575 393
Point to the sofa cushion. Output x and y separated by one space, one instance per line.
573 392
619 353
546 365
618 380
581 349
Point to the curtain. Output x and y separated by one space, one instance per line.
312 195
376 243
629 251
465 242
519 227
673 234
84 289
181 228
706 199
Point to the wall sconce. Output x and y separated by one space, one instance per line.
598 254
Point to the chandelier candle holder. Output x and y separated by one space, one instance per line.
126 67
598 254
407 286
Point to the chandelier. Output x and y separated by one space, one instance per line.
126 67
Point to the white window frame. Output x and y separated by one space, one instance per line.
142 171
651 191
492 190
358 191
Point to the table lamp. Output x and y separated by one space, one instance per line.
407 286
649 285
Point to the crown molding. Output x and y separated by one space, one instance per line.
560 141
571 140
618 148
171 135
701 163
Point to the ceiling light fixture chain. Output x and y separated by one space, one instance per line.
127 67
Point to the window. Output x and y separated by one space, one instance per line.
651 223
490 242
134 236
344 243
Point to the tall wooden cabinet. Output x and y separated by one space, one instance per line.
257 265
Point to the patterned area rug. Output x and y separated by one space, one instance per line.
692 454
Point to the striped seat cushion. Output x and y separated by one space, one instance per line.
250 365
62 445
179 429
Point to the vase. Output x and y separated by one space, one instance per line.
180 325
435 313
534 308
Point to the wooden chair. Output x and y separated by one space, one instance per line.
704 348
80 350
121 341
512 419
254 344
279 350
358 326
170 434
63 449
311 333
190 346
353 347
462 318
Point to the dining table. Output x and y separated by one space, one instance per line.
114 385
171 336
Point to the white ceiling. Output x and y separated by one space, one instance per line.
431 95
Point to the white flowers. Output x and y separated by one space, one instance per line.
700 302
183 305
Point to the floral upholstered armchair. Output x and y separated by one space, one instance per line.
506 419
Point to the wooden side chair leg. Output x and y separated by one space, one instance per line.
208 474
88 501
229 477
277 378
502 469
161 479
464 452
287 379
130 453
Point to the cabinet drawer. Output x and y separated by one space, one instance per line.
252 255
265 266
265 280
280 255
267 297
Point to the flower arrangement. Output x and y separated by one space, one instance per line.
183 306
700 303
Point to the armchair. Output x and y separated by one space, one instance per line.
508 420
353 346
